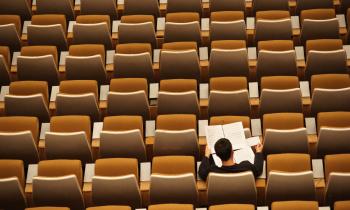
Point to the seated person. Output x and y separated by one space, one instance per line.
223 150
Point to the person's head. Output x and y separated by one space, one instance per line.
223 149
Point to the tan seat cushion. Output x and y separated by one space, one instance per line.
47 208
178 85
176 122
180 46
137 19
228 44
276 45
172 165
116 167
272 15
20 123
324 44
279 82
71 123
79 87
330 81
292 205
222 120
134 48
88 50
24 88
232 207
288 162
40 51
182 17
317 14
109 208
228 83
283 121
12 168
128 85
90 19
223 16
337 163
50 19
15 19
333 119
123 123
342 205
171 207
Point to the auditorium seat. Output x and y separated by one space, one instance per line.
341 205
137 33
10 30
323 45
104 7
319 29
272 15
336 163
78 97
5 62
28 98
231 30
314 4
288 162
65 7
283 121
180 32
261 5
182 17
134 48
141 7
226 15
228 83
48 30
290 205
227 5
12 178
333 119
280 29
178 85
232 207
17 7
171 207
137 19
279 82
317 14
231 188
276 45
333 141
194 6
172 165
48 208
178 46
168 103
330 81
109 208
116 182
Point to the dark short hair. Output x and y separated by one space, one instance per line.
223 149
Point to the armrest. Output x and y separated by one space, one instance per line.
32 172
115 26
4 91
252 53
295 22
54 91
341 20
63 56
204 91
120 2
14 58
256 127
263 208
160 24
305 88
253 90
45 127
203 53
310 124
153 90
347 50
110 56
198 164
98 126
25 26
263 174
156 55
89 172
299 51
202 124
150 128
104 89
70 26
205 22
317 168
250 23
145 172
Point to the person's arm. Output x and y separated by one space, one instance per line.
204 167
258 161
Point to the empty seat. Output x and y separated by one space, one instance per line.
333 141
314 4
273 30
143 7
319 29
16 7
330 81
65 7
324 44
180 32
288 162
5 60
171 207
327 100
28 98
109 208
137 33
336 163
228 44
276 45
341 205
168 103
227 5
289 205
184 6
233 30
182 17
283 121
228 83
78 97
317 14
178 85
226 16
337 188
333 119
104 7
259 5
172 165
232 207
134 48
272 15
47 208
10 31
279 82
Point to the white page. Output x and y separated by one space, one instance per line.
145 172
253 141
244 154
104 89
153 90
32 172
295 22
250 23
310 124
205 1
253 90
205 24
98 126
317 168
324 208
213 133
4 91
256 127
120 2
110 57
252 53
89 172
347 50
203 91
163 1
63 56
156 55
34 3
262 208
305 88
70 26
77 2
14 58
203 53
25 26
160 24
235 133
54 91
150 128
341 20
115 26
263 174
45 127
299 50
202 124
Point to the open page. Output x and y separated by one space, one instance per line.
213 134
235 133
245 154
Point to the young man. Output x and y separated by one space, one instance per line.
223 149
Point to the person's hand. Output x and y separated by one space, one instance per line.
259 147
207 151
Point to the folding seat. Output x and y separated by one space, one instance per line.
333 141
177 32
232 207
39 63
10 31
228 83
143 7
179 65
326 62
173 180
182 17
5 62
131 19
260 5
324 45
313 4
104 7
19 137
232 188
178 85
171 207
280 29
337 174
272 15
288 162
137 33
283 121
333 119
55 180
279 82
194 6
47 208
341 205
233 30
78 97
93 29
319 29
134 48
116 182
109 208
289 205
17 7
65 7
122 136
176 134
69 138
276 63
317 14
286 186
48 30
28 98
330 81
228 44
276 45
86 62
330 100
168 103
227 5
133 93
226 16
224 62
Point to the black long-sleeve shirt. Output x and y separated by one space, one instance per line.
208 165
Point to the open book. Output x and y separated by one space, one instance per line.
234 132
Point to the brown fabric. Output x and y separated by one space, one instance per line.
123 123
222 120
279 82
24 88
117 167
90 19
182 17
12 168
50 20
15 19
173 165
223 16
134 48
324 44
88 50
333 119
232 207
336 163
71 123
79 87
21 123
47 208
40 51
128 85
330 81
5 51
176 122
317 14
109 208
228 44
272 15
54 168
342 205
283 121
178 85
171 207
228 83
180 46
288 162
137 19
276 45
292 205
